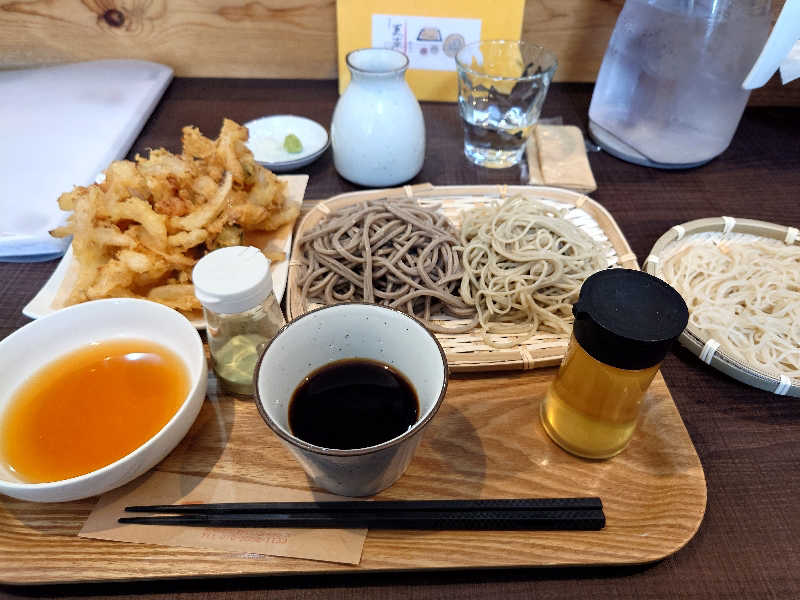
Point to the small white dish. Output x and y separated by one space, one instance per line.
41 342
268 133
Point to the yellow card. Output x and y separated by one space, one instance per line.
429 32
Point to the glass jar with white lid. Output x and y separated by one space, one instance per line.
242 314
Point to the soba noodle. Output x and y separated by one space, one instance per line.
524 264
392 252
746 296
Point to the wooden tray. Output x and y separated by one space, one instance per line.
485 442
467 351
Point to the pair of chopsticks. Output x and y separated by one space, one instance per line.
506 514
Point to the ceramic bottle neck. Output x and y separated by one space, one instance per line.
377 65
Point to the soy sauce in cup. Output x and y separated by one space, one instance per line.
364 333
353 403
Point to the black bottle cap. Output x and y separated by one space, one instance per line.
628 319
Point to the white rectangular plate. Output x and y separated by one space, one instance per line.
50 297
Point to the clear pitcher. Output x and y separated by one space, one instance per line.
669 92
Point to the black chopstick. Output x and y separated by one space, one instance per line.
254 508
536 519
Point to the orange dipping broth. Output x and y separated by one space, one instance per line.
90 408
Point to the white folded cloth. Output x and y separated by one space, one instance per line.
61 127
790 67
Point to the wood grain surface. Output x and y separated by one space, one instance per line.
485 442
244 38
256 38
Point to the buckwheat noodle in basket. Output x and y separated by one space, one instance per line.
524 264
746 296
392 252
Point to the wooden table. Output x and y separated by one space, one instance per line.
748 440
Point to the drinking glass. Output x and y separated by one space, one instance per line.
501 88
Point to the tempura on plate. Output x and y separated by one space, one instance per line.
140 232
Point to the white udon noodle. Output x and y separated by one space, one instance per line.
746 296
524 264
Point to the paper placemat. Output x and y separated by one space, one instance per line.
557 156
330 545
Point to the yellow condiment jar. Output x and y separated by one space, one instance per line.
625 322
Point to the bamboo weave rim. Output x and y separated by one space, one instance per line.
466 352
723 228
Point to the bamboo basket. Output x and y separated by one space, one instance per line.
730 230
467 351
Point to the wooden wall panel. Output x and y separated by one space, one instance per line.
254 38
576 30
197 38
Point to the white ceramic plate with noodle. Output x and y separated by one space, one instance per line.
52 294
468 351
741 281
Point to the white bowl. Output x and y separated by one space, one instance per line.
41 342
342 331
267 135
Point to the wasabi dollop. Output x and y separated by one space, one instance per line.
292 144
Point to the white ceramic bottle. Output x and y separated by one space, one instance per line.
378 133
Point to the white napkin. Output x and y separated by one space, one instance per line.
790 67
62 126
